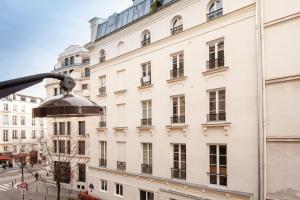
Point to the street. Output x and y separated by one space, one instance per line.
37 190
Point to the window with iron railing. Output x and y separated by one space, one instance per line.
102 122
215 10
146 195
216 55
146 113
146 167
179 162
146 74
146 38
217 106
15 134
178 109
102 56
121 166
177 66
103 154
102 84
23 134
5 135
177 25
62 128
218 165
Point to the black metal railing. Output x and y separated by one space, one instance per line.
102 124
178 173
102 90
215 63
102 59
176 29
102 162
146 168
178 120
177 73
146 122
145 42
212 117
145 82
121 166
214 14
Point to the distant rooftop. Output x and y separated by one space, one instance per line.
117 21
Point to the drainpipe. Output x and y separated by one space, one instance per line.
261 101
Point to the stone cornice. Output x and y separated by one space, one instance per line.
283 79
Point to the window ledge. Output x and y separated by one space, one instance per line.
103 129
145 86
174 80
102 95
181 127
121 130
222 124
119 92
144 129
216 70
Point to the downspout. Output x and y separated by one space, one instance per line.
261 100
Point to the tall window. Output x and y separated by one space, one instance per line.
54 146
23 134
72 60
103 154
55 91
81 127
15 134
217 106
146 73
147 113
5 106
5 148
33 122
146 38
87 72
102 84
103 118
216 54
84 86
6 120
146 195
147 158
23 120
15 107
62 128
102 56
215 10
61 146
121 156
66 61
81 172
179 161
5 135
68 146
15 120
81 147
176 25
218 165
55 128
33 134
177 66
119 189
178 109
103 185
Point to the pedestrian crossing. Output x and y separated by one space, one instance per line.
5 187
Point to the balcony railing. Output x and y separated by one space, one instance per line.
212 117
178 173
146 80
102 163
102 59
176 29
146 168
215 63
145 42
178 120
102 124
177 73
215 14
102 90
146 122
121 166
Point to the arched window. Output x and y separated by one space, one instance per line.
215 9
176 25
146 38
102 56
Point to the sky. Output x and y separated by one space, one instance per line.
34 32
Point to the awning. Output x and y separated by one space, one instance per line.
4 158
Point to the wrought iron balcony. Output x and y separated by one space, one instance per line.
215 63
176 29
102 162
178 173
213 117
102 124
145 42
177 73
102 90
146 80
102 59
146 168
178 120
146 122
121 166
214 14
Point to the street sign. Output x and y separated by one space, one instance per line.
23 191
23 185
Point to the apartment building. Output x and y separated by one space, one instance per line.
20 133
68 137
179 87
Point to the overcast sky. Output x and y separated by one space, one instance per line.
34 32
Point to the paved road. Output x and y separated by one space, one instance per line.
36 191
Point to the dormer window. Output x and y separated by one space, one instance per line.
102 56
176 25
72 60
66 61
146 38
215 10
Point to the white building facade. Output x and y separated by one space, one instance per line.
181 101
20 133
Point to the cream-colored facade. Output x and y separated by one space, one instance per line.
68 137
20 133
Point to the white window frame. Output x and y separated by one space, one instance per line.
146 69
103 185
121 188
5 135
146 191
217 101
217 164
147 109
147 149
103 150
179 155
5 120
